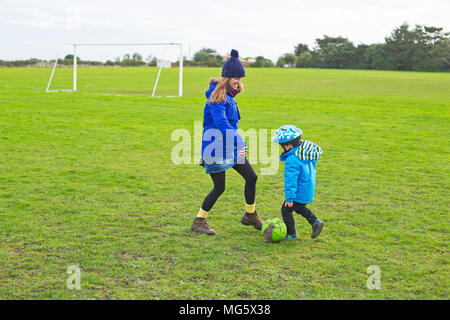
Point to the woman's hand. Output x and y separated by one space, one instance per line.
288 204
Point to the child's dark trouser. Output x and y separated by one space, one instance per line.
246 171
288 217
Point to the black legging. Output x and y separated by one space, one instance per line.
246 171
288 217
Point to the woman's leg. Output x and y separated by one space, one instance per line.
200 224
250 216
219 187
247 172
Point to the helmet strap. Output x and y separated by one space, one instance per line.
294 143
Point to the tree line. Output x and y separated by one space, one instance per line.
208 57
128 60
420 48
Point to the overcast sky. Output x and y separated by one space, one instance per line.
42 29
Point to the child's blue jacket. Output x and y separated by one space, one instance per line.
300 172
223 116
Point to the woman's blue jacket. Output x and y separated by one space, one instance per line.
220 123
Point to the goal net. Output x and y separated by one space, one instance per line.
155 69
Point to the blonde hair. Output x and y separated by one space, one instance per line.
220 92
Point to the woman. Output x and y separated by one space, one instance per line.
223 147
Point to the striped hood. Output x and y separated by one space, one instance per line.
306 150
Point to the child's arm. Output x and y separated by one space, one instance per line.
291 173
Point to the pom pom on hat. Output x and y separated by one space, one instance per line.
233 67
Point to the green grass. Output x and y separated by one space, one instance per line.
86 179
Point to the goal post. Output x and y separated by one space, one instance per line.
75 72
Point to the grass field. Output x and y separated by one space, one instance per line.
86 179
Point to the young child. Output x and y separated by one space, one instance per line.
300 157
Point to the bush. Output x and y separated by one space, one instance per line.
262 62
305 60
287 59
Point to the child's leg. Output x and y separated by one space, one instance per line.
317 224
219 187
301 208
247 172
288 218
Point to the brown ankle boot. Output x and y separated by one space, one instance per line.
252 219
200 225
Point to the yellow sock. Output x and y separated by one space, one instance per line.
202 213
250 208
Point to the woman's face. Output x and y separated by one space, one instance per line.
235 82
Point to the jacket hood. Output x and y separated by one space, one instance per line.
306 150
212 86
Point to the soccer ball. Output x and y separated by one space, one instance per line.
274 230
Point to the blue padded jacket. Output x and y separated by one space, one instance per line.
300 172
221 117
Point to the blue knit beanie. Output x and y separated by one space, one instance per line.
233 68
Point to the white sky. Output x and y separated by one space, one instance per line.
42 29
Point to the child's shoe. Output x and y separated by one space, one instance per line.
291 237
252 219
200 225
317 227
